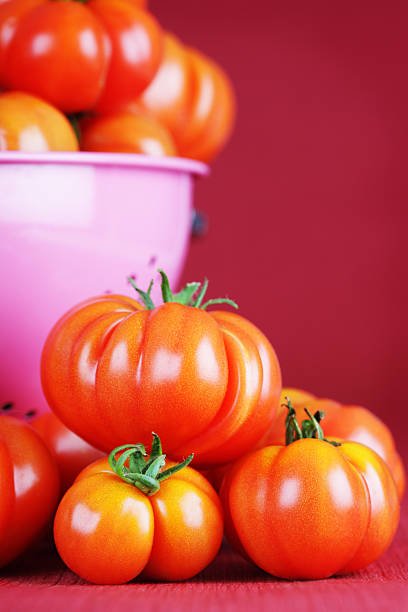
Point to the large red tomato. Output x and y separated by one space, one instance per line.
75 54
71 453
117 521
113 370
353 423
29 486
310 509
32 125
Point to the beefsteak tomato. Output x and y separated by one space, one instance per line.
352 423
32 125
208 382
310 509
29 485
126 515
77 54
72 454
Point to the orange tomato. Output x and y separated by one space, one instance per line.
108 530
30 124
348 423
29 487
72 454
211 116
309 510
126 133
168 97
207 382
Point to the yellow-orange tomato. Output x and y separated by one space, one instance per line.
309 510
353 423
169 95
211 116
126 132
108 531
32 125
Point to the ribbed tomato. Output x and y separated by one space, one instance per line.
115 370
310 509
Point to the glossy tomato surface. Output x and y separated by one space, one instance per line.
32 125
126 132
72 454
310 510
353 423
29 485
76 55
108 531
207 383
136 42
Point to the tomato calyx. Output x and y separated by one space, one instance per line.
191 295
309 428
145 474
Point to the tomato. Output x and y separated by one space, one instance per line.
309 509
29 485
209 382
30 124
75 55
112 525
137 50
348 423
169 96
126 133
72 454
211 116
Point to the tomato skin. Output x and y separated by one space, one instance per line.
310 510
169 96
60 52
126 133
206 383
135 58
353 423
71 453
211 117
32 125
29 487
108 532
77 55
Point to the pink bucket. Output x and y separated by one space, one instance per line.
74 225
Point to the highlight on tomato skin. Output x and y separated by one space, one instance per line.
128 514
287 506
29 483
353 423
216 370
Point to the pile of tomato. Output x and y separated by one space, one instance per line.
153 403
102 75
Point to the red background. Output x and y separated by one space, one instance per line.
307 205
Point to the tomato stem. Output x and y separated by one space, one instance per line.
145 474
186 296
310 427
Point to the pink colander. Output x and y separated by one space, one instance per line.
75 225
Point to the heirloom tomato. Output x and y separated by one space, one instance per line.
126 132
72 454
169 96
310 509
210 119
207 382
353 423
29 486
126 515
77 54
32 125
